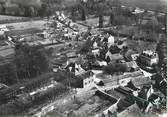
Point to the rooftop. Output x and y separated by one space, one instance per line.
85 74
131 111
140 81
111 78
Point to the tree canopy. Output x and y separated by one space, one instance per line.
115 68
31 61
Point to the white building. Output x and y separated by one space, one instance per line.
149 57
87 79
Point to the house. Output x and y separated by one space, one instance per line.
132 66
140 81
130 55
163 86
122 44
138 11
95 45
134 57
146 92
110 41
74 68
3 86
122 79
112 57
148 58
96 52
72 56
117 95
131 111
3 28
112 109
87 78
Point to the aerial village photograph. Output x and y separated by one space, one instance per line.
83 58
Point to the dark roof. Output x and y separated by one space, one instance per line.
123 104
71 54
116 94
131 86
153 97
131 111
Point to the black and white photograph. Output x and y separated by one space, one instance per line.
83 58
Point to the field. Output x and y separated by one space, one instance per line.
26 25
11 19
157 5
6 17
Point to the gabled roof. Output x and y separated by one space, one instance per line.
123 104
71 54
131 111
140 81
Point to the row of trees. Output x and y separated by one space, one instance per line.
100 8
68 79
27 11
29 62
115 68
162 53
8 74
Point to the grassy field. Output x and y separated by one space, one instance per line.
157 5
27 25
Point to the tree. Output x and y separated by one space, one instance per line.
138 19
115 68
43 10
163 21
152 25
116 6
111 19
3 9
82 8
31 61
162 53
86 46
101 8
8 74
78 9
31 11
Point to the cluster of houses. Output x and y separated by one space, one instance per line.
134 90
